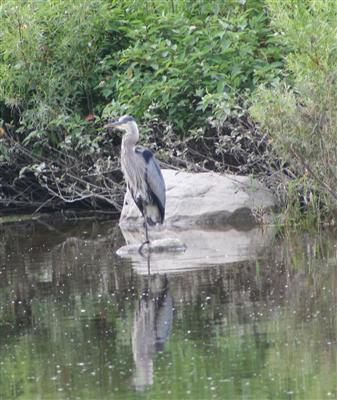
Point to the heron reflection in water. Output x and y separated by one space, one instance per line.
151 329
142 174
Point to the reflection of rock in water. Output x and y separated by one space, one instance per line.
151 328
203 248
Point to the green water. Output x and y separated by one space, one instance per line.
77 322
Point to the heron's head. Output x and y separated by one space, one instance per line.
125 123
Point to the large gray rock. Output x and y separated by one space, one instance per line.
206 199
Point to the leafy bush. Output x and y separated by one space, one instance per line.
61 58
185 69
48 54
301 117
49 50
179 63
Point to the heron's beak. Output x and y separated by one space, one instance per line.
112 124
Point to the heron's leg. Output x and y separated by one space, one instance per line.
146 233
147 241
148 265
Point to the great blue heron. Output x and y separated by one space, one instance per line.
142 174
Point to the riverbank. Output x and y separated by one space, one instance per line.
226 87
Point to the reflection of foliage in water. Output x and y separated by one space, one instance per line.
261 329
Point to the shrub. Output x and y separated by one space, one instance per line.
174 58
184 58
185 69
301 116
48 54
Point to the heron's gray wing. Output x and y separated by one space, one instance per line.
154 178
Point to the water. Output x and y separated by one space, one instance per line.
77 322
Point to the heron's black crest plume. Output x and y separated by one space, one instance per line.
128 118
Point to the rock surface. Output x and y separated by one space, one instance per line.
205 199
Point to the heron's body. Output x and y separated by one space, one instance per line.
142 174
145 192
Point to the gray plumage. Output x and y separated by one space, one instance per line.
142 173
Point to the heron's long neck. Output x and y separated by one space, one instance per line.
130 137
